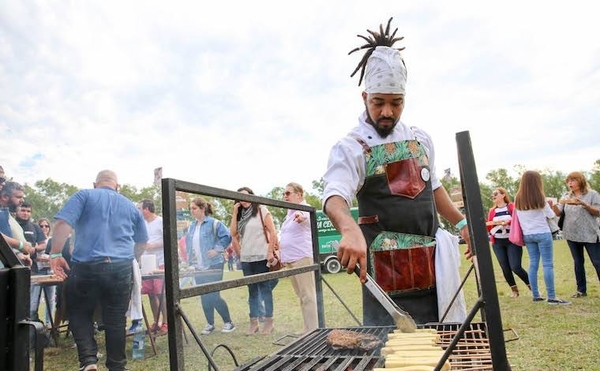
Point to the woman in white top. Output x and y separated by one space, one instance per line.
533 212
254 239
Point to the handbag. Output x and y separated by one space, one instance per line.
273 267
516 233
561 219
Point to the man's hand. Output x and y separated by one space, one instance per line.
352 249
28 248
60 267
25 259
464 233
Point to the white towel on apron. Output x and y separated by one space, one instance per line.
447 277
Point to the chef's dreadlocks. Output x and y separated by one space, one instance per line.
376 39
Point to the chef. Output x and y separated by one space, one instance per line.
390 168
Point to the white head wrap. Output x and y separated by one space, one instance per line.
385 72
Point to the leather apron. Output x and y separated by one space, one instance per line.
398 218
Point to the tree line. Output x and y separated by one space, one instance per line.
48 196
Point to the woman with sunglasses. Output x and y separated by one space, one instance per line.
45 225
508 254
297 251
43 265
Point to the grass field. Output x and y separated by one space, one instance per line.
549 337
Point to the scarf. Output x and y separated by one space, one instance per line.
246 215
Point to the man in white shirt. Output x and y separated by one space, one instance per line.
154 288
389 167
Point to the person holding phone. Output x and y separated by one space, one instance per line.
254 239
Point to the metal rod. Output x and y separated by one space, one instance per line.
462 284
466 324
190 327
480 246
341 301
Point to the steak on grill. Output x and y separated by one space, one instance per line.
346 339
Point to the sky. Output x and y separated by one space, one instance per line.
255 93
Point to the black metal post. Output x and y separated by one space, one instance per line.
480 246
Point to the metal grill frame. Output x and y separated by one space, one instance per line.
311 352
487 303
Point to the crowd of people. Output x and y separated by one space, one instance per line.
99 236
98 239
580 211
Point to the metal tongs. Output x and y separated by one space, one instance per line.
402 318
404 322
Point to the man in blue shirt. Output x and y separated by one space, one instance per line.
108 230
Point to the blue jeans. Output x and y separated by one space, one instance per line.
49 293
509 257
213 300
593 250
107 284
259 290
540 245
261 301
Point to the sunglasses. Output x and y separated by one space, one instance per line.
287 193
495 194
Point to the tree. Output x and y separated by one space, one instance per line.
554 183
319 186
47 197
500 178
147 193
594 177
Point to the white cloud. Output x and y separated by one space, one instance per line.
255 94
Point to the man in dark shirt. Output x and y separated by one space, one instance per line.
36 237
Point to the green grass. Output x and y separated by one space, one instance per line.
549 337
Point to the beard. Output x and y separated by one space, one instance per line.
384 125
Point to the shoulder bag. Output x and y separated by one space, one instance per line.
561 218
277 266
516 233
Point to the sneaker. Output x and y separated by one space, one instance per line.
163 330
91 367
579 294
208 329
539 298
557 301
135 326
228 327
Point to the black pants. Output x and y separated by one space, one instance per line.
107 284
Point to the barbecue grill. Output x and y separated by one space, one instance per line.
312 353
474 346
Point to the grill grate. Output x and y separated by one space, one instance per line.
312 353
472 352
